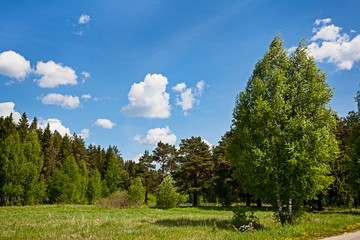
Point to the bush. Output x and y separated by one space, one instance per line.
245 221
167 195
117 200
136 190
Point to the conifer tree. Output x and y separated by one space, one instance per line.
195 173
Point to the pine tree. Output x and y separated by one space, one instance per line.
165 154
195 173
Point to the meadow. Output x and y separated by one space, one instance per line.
91 222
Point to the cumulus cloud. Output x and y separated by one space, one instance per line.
105 123
188 96
14 65
156 135
328 33
329 44
85 75
85 133
54 74
86 96
84 18
149 98
55 124
65 101
8 107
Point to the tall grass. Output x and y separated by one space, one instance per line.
91 222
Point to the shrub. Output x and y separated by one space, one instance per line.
117 200
136 190
245 221
167 195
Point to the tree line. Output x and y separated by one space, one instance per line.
285 147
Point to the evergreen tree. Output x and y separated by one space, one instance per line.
195 173
23 127
283 130
146 170
165 154
46 149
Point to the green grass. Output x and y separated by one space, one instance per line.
90 222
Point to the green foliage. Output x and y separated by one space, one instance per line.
94 190
167 195
67 184
112 176
12 171
196 170
283 130
245 221
34 183
136 190
165 155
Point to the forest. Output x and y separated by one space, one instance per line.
285 148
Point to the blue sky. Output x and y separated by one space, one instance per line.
131 73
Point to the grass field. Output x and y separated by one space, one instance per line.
90 222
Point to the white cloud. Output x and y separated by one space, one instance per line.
334 47
322 21
188 96
86 96
14 65
187 99
156 135
179 87
105 123
84 19
85 75
200 86
55 124
328 33
85 133
148 98
8 107
54 74
65 101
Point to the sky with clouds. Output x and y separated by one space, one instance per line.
132 73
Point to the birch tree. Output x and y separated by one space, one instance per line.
283 130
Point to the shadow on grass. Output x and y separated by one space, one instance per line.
338 211
220 208
183 222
